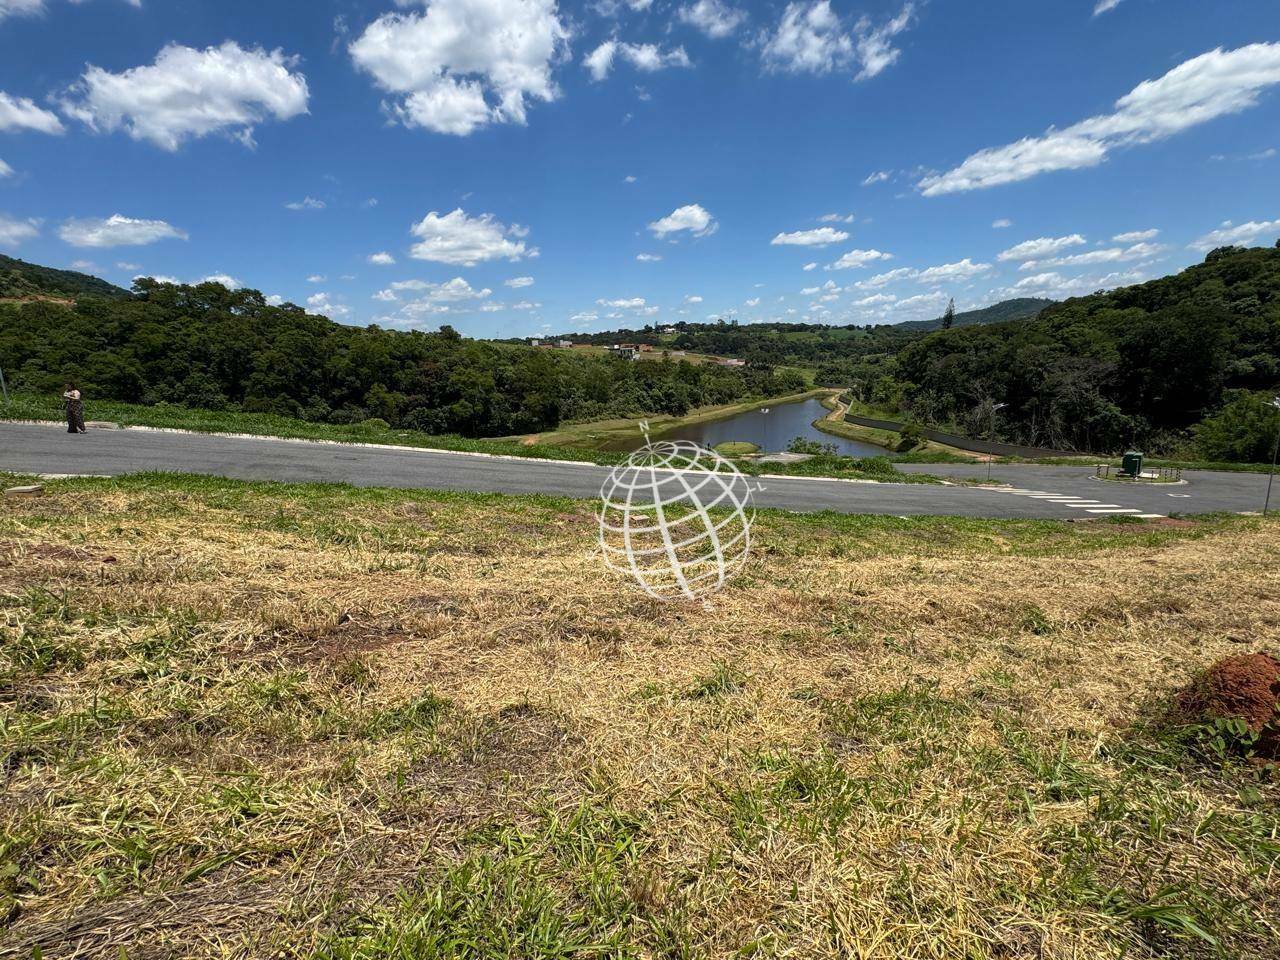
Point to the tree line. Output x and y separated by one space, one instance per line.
210 347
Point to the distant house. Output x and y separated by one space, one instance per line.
564 344
668 329
729 362
625 351
535 342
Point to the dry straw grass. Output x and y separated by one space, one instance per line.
242 720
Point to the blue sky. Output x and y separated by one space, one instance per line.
513 167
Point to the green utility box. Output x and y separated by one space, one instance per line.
1131 463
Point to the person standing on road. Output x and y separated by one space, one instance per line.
74 407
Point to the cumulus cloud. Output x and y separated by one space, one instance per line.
323 303
460 240
306 203
381 259
1040 247
820 237
626 303
463 64
1229 234
1135 236
456 290
117 231
809 266
14 232
964 269
691 218
717 20
191 93
1138 251
1103 6
1052 284
857 259
812 38
648 257
517 283
692 298
1212 85
643 56
5 169
1001 224
884 279
228 281
20 113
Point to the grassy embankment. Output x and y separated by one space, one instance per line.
933 452
308 721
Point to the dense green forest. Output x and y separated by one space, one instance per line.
19 279
206 346
1139 365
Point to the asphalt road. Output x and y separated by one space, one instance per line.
1037 491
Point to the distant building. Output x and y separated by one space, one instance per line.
535 342
626 351
565 344
668 329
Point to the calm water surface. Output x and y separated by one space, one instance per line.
772 428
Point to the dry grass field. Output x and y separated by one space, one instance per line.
247 720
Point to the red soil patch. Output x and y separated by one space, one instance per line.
1245 687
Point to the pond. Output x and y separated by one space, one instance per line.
772 428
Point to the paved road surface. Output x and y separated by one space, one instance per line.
1036 491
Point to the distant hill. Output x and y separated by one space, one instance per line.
22 280
1019 309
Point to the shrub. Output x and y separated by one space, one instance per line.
1243 430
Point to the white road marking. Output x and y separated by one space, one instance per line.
1151 516
1121 510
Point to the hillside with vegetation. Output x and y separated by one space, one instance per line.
209 347
1159 364
835 352
20 280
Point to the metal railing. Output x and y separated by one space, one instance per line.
1105 471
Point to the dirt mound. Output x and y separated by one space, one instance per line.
1245 687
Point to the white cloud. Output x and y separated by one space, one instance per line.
811 38
1053 284
836 218
1212 85
322 303
19 113
820 237
884 279
5 169
880 176
386 296
692 218
306 203
753 302
191 93
122 265
516 283
28 8
630 303
809 266
1001 224
1040 247
456 290
14 232
643 56
317 278
1232 234
693 298
463 64
628 179
1104 5
1135 236
1138 251
275 300
875 300
381 259
230 282
717 20
117 231
648 257
875 50
465 241
964 269
857 259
